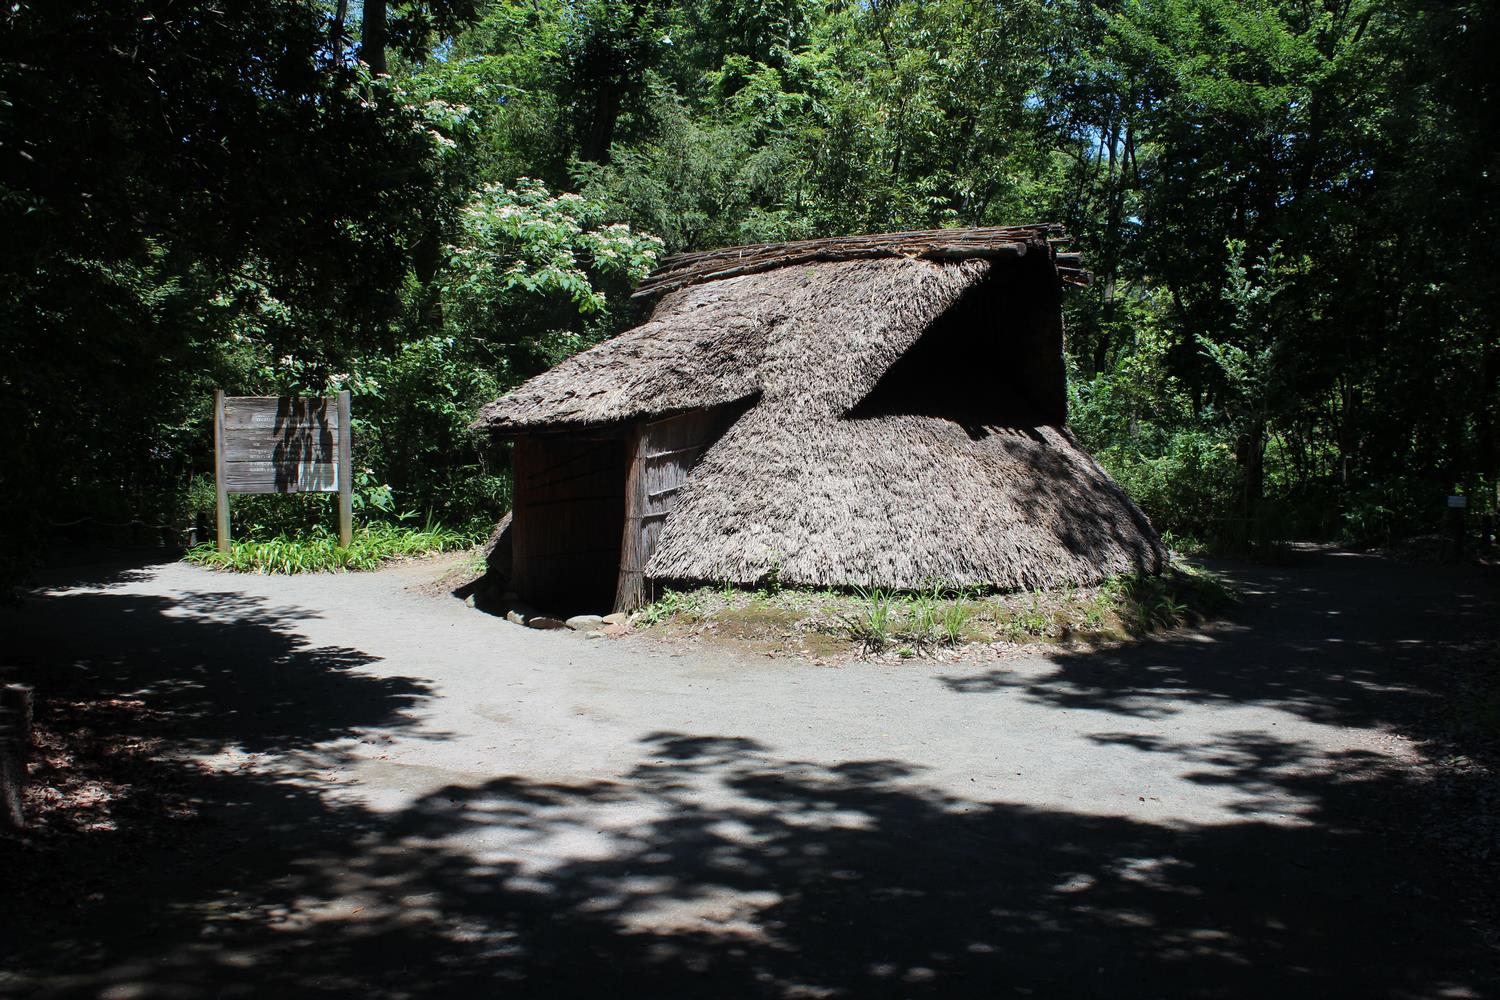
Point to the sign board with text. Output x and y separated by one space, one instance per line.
283 444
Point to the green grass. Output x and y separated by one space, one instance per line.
372 545
923 615
672 604
920 622
874 621
956 622
1180 596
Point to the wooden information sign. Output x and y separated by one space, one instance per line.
283 444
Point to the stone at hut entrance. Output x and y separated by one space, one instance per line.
585 623
618 618
542 621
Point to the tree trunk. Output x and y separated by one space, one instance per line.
336 32
1252 461
1489 409
15 747
601 134
372 37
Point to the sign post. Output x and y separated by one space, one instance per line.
346 473
1456 505
221 506
283 444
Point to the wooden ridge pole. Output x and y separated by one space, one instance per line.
995 242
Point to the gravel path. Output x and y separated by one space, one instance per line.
399 796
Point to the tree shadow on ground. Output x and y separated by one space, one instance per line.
719 867
219 669
134 692
1335 637
80 566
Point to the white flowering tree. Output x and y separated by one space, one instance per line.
529 277
535 273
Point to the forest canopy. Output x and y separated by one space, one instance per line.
1290 209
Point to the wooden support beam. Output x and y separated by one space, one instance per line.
630 590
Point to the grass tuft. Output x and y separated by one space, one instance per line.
875 618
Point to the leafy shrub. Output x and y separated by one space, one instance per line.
523 251
413 447
1184 480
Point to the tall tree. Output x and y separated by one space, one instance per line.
372 39
178 178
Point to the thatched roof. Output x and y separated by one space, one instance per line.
900 502
848 468
764 333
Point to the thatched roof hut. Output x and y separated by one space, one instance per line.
878 411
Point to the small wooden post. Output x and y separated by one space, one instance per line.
1457 506
15 747
346 473
223 491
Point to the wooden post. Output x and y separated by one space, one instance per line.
15 747
223 491
346 473
630 588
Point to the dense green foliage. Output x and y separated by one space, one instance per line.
1288 205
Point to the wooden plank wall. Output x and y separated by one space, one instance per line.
663 455
565 528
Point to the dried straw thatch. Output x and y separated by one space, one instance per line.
728 340
903 426
901 502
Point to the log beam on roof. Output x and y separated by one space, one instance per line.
992 243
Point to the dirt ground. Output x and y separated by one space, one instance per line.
356 785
